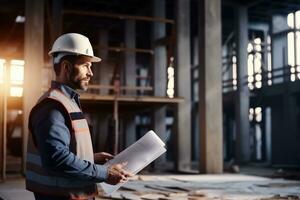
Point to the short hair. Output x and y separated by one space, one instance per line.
57 66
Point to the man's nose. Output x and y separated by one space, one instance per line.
90 72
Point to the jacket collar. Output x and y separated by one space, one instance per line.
68 91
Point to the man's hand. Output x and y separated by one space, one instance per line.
102 157
116 174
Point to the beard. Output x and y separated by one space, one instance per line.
78 82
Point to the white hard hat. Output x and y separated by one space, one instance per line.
74 43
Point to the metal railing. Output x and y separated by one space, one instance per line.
281 75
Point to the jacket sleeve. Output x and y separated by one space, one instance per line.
52 136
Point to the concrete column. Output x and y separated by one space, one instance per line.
103 41
130 79
103 74
285 131
130 129
160 53
57 9
268 132
286 143
183 83
195 98
210 87
242 150
160 74
102 126
130 60
56 30
34 61
104 70
195 64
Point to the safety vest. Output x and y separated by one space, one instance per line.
41 180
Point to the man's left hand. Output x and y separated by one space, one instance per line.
102 157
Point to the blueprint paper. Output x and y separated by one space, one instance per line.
138 155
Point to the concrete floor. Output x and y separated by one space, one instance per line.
224 186
180 187
14 189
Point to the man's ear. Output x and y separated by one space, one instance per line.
66 67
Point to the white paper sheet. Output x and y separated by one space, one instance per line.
137 156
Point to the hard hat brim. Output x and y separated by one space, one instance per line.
94 58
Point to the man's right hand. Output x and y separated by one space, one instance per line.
116 174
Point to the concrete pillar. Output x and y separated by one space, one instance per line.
103 41
160 53
130 129
242 150
105 70
268 133
130 60
278 132
34 61
195 99
102 134
183 83
102 75
160 74
130 79
210 87
287 144
57 9
195 65
56 29
285 130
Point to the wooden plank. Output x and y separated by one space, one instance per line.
130 88
126 49
152 196
95 86
119 16
148 99
129 196
161 188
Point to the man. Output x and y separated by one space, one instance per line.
60 160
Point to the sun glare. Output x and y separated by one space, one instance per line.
2 65
16 77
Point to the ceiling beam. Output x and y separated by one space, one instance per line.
119 16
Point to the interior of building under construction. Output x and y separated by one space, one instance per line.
217 80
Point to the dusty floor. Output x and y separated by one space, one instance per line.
225 186
182 187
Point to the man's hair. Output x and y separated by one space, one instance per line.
57 66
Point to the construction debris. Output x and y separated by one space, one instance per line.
207 187
278 197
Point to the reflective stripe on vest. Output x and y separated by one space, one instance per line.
38 179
